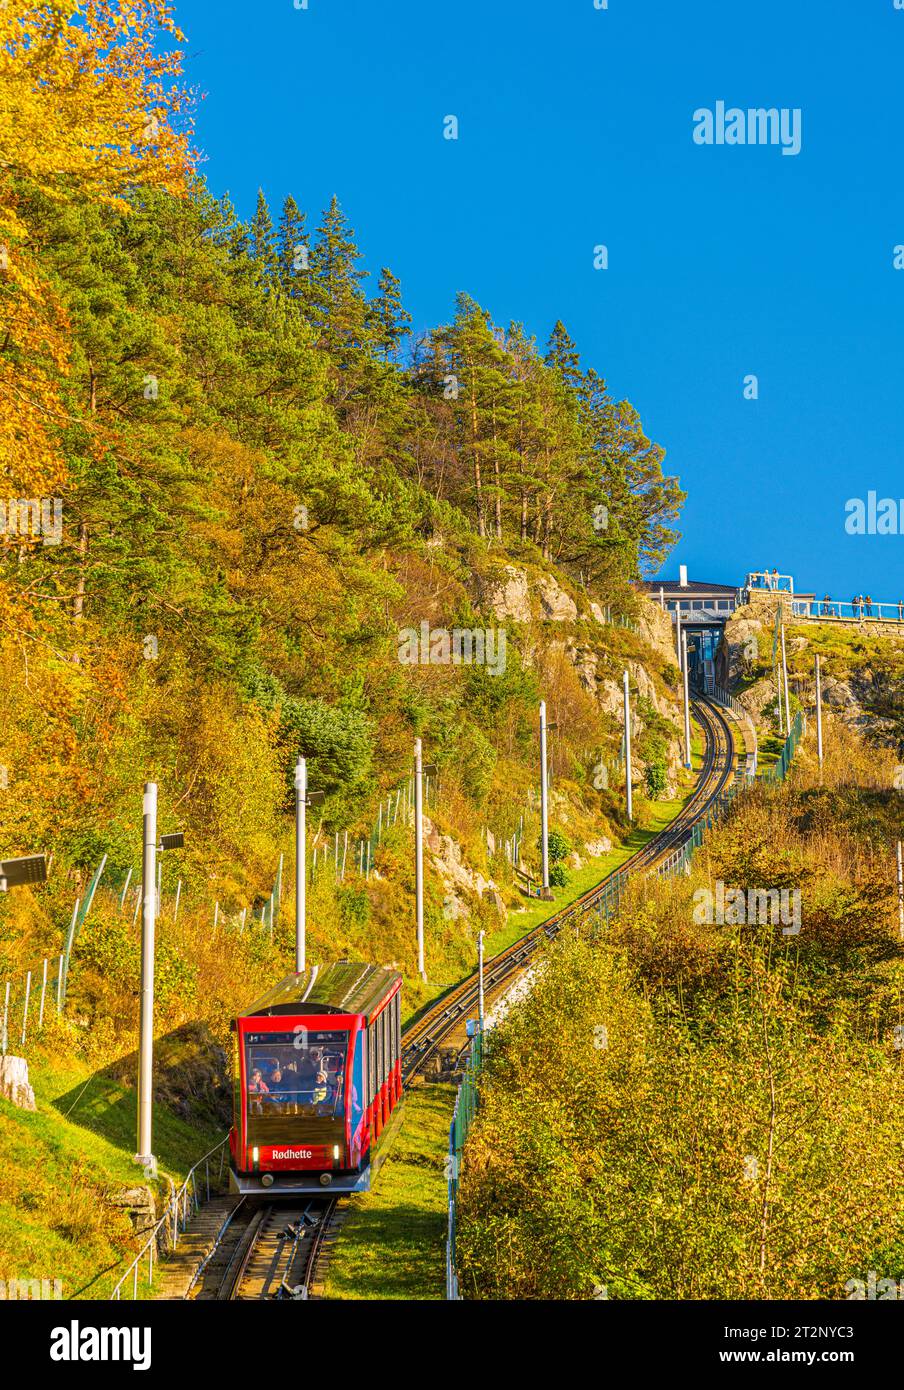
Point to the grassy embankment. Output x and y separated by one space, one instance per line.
59 1163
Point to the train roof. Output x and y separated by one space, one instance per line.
345 987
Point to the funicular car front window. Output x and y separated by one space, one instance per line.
301 1072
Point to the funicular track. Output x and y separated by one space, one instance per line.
423 1039
271 1249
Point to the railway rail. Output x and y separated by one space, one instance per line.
271 1248
423 1039
265 1250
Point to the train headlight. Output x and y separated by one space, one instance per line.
267 1180
254 1158
336 1153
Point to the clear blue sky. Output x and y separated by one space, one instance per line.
576 129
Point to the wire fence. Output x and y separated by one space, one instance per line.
181 1207
341 854
679 860
29 998
727 701
33 995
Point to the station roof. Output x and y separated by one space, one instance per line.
691 588
345 987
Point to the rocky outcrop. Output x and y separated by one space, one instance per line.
555 603
512 594
516 595
14 1084
507 594
460 884
138 1204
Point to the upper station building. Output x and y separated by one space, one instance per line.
703 610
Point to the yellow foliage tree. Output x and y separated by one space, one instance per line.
90 106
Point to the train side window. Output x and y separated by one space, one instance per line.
371 1062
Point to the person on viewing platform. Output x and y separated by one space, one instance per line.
869 605
826 610
855 604
775 578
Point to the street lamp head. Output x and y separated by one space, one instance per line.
15 873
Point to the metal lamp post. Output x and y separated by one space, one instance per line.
544 804
150 908
688 762
301 801
419 854
628 792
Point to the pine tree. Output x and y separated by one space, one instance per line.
262 243
294 255
339 305
561 353
389 319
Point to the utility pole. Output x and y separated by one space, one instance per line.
785 680
900 896
544 808
301 804
145 1155
678 632
628 793
419 854
818 714
480 971
688 763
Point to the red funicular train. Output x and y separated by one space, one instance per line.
317 1072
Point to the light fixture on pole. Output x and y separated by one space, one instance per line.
303 799
145 1154
19 873
628 792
